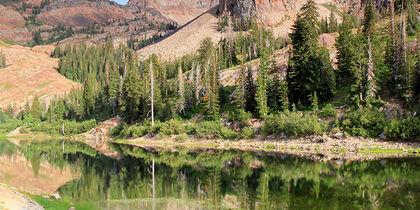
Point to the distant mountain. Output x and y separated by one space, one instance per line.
70 21
180 11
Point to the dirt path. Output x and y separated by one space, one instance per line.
315 147
10 199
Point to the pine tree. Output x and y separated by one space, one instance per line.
314 105
262 85
131 96
309 69
368 32
2 60
27 108
212 88
88 97
333 25
181 102
36 110
346 54
250 92
114 89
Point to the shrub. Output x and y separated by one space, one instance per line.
182 137
134 131
364 122
291 124
247 133
407 129
116 130
208 129
70 127
241 116
227 133
214 129
328 111
191 129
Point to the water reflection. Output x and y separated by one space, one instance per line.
208 179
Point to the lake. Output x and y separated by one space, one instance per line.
180 178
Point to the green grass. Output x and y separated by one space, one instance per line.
7 43
339 150
61 204
5 86
44 84
378 150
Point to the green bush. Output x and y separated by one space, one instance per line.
171 127
182 137
191 129
291 124
247 133
134 131
328 111
214 129
363 122
55 128
407 129
116 131
240 115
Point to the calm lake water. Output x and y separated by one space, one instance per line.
207 179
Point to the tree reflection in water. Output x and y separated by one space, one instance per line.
209 179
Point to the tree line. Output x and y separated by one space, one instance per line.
369 63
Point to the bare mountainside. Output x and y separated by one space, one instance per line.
12 26
76 21
181 11
30 72
187 39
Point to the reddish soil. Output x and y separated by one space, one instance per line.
30 72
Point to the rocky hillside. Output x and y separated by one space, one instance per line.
30 72
12 25
78 20
181 11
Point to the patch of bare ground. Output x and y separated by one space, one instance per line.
322 148
30 72
10 199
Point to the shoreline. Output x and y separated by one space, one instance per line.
321 148
318 147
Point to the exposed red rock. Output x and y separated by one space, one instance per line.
182 11
12 25
78 13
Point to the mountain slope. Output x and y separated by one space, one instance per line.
187 39
30 72
181 11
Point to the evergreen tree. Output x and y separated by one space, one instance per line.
315 102
333 25
37 38
250 92
309 69
277 95
181 102
131 98
262 85
36 109
114 89
346 54
27 108
88 97
212 88
2 60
